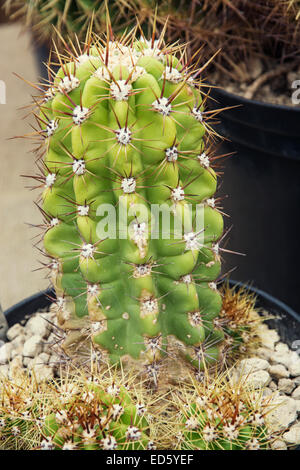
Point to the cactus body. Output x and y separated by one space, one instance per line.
123 132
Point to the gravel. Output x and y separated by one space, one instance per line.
30 346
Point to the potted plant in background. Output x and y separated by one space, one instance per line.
125 124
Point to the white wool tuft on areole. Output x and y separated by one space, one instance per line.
83 210
51 127
204 160
171 154
87 250
191 241
172 75
197 113
80 114
120 90
123 135
178 194
162 105
50 180
68 84
128 185
78 167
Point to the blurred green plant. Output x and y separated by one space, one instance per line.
69 17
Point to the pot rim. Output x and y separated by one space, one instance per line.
270 298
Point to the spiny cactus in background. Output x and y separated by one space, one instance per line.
103 412
111 421
219 414
239 320
123 132
243 30
70 17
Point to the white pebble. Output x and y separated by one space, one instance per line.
272 386
282 348
286 386
283 414
43 358
15 331
37 325
5 353
278 445
267 337
298 405
279 371
251 365
296 393
258 379
17 346
4 370
265 353
33 346
42 372
287 359
15 367
294 367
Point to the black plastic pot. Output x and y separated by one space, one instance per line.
264 127
22 310
262 182
42 54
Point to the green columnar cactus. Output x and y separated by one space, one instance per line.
218 414
124 135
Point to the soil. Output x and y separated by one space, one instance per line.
269 83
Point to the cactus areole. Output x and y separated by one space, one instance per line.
131 233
